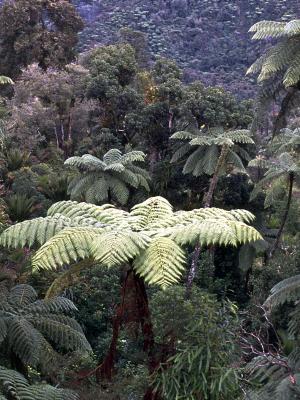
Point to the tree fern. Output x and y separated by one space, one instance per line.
151 236
14 386
29 325
108 179
204 159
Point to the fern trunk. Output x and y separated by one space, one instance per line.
207 203
284 218
215 178
105 370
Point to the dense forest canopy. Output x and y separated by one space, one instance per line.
150 200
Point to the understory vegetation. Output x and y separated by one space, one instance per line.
149 223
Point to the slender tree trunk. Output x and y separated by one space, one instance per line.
207 203
284 218
280 121
214 180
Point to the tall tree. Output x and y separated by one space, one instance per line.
31 31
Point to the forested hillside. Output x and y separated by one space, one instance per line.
208 39
149 216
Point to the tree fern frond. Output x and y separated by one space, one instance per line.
162 263
284 291
21 295
118 247
292 28
55 305
67 278
183 135
201 141
37 230
181 152
132 156
292 75
193 161
267 29
25 341
61 334
47 392
112 156
151 212
67 246
115 167
119 190
240 136
235 160
86 162
98 191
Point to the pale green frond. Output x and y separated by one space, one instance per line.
181 152
209 161
267 29
38 230
243 215
86 162
151 212
118 247
112 156
278 58
257 65
73 209
119 190
162 263
202 141
285 291
132 156
233 159
292 75
5 80
115 167
183 135
193 161
79 185
292 28
240 136
130 178
259 162
67 246
98 191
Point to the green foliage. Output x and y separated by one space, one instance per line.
200 368
25 41
14 386
74 231
29 327
19 207
4 80
279 377
204 159
282 58
109 179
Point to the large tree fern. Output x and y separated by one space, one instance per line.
109 179
151 237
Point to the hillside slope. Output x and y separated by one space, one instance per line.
208 38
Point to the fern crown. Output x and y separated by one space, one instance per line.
204 158
151 236
110 178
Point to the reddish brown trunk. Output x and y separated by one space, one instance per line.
105 370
